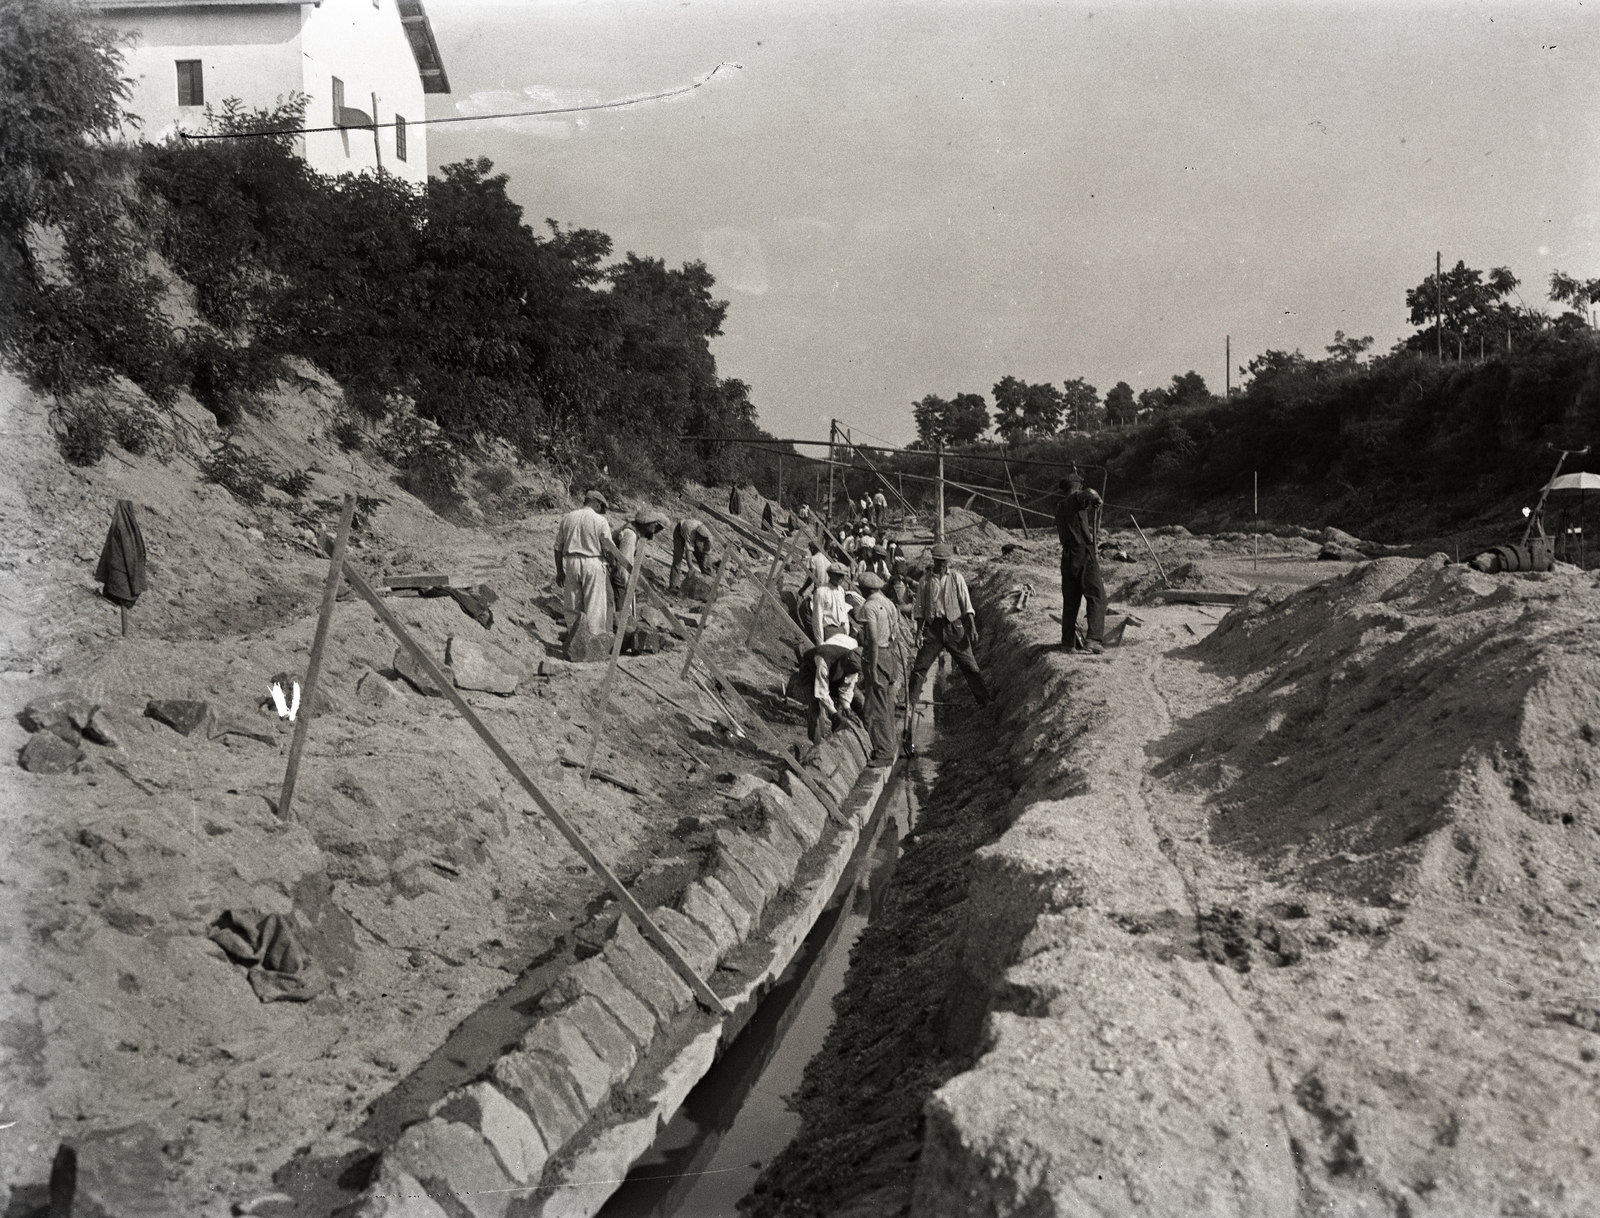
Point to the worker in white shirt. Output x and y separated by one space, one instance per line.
880 667
943 611
583 542
831 607
880 510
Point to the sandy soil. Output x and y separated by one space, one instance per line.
418 876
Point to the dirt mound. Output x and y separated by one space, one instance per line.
1144 588
1410 726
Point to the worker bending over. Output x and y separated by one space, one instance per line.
646 523
690 539
943 611
583 543
1078 526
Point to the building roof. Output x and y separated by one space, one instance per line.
413 19
426 51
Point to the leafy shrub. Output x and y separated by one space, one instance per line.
82 432
135 429
347 434
294 484
495 479
242 475
227 376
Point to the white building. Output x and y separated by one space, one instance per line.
353 59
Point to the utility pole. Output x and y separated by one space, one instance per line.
780 482
1438 300
827 514
938 524
1227 366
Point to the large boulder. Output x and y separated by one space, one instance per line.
181 715
48 753
471 668
67 715
585 647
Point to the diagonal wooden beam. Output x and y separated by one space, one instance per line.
650 930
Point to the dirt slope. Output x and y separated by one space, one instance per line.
414 870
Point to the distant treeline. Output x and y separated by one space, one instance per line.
438 310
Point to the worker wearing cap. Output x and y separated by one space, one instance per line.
831 607
943 610
1078 526
691 539
880 667
583 542
646 523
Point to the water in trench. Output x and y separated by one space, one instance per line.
735 1119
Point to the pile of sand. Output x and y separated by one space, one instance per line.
1409 727
1144 588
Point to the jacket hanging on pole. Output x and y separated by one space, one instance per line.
122 559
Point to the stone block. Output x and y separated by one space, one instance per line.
559 1038
763 865
120 1172
586 648
777 838
646 973
412 672
806 827
453 1161
66 715
735 910
742 886
508 1130
471 668
706 912
545 1092
180 715
102 729
396 1193
606 1036
694 944
804 802
696 587
48 753
596 977
374 689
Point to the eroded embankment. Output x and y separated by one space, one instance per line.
1314 932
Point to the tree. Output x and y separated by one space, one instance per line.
1119 403
1042 408
1470 308
930 415
1188 389
1010 394
1581 294
1154 400
967 419
1347 350
1082 403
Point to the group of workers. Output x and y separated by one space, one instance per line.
864 615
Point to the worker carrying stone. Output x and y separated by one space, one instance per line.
943 611
690 540
583 543
1078 526
880 666
646 523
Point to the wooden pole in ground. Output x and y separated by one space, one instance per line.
330 592
635 911
611 669
773 744
773 573
938 524
1149 547
124 611
707 609
1006 465
827 515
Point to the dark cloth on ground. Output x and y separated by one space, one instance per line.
735 503
766 518
475 604
941 634
1075 520
1081 581
122 558
279 968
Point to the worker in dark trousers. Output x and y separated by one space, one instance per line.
691 540
943 611
880 667
1078 526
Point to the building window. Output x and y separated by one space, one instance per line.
338 102
191 88
399 137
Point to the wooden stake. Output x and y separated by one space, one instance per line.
708 608
1006 465
302 724
774 573
635 911
123 609
611 669
1151 548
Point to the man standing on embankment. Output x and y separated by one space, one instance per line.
944 613
583 542
1077 524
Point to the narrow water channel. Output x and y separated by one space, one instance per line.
710 1154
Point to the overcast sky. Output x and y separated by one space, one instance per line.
910 198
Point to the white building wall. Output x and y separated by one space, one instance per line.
252 53
261 54
363 44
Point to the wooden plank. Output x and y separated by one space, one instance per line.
773 744
302 725
611 669
1183 596
774 574
708 608
431 579
575 839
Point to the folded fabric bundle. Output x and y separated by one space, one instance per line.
122 558
280 970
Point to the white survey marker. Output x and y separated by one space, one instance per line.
286 710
